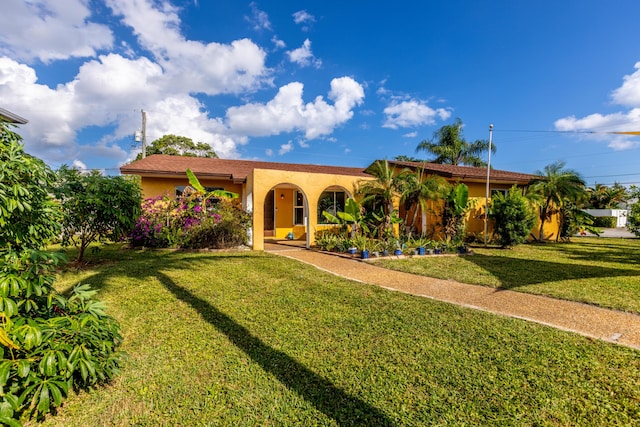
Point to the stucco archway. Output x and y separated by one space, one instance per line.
286 213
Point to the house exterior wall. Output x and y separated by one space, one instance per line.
161 186
261 181
475 216
311 184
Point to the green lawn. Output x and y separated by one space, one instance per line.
253 339
604 272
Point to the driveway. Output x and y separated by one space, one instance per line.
614 232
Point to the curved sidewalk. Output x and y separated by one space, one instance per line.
608 325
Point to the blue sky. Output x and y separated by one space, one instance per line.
332 82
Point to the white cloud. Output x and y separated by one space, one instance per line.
412 113
303 56
278 44
303 16
50 30
410 135
269 152
77 164
629 93
285 148
258 19
602 123
192 66
286 112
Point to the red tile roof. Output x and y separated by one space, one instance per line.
236 170
469 173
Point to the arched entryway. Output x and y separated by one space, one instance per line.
286 214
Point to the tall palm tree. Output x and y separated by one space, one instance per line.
385 188
555 187
449 147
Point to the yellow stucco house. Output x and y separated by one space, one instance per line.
287 200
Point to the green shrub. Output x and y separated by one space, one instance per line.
605 221
633 220
226 229
513 217
50 343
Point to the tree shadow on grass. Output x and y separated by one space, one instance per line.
331 400
334 402
513 272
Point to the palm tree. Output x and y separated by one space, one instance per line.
555 187
604 197
416 191
384 189
449 147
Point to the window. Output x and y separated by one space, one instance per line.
181 189
495 191
298 208
332 202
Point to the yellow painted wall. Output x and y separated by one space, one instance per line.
312 185
153 187
475 217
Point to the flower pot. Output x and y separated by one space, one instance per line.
437 251
385 253
397 252
430 251
352 251
365 254
421 251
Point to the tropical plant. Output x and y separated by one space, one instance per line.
456 204
449 147
404 158
50 343
353 216
416 192
633 218
555 187
513 217
197 219
179 146
574 220
383 190
226 228
95 207
605 197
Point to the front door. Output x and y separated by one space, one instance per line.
269 217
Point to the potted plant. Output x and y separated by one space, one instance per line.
437 248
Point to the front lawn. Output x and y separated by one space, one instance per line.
254 339
604 272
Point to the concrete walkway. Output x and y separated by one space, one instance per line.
607 325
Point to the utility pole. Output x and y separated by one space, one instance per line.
486 205
144 134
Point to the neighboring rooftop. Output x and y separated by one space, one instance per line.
235 170
8 116
469 173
